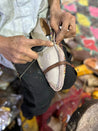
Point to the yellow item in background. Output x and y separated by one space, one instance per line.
83 70
65 91
83 2
77 29
95 94
29 125
83 20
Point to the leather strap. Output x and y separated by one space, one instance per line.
57 64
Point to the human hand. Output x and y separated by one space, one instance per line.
17 49
64 19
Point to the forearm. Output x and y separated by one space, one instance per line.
54 4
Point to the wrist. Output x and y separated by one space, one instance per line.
54 4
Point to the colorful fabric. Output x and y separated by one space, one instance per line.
86 12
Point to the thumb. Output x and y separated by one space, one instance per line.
59 37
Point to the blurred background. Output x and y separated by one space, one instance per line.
68 107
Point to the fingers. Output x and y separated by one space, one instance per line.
73 26
22 58
25 54
25 48
31 54
64 33
54 24
68 27
39 42
18 49
15 60
19 62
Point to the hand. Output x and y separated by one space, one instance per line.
64 19
17 49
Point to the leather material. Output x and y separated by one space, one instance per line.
55 65
36 90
